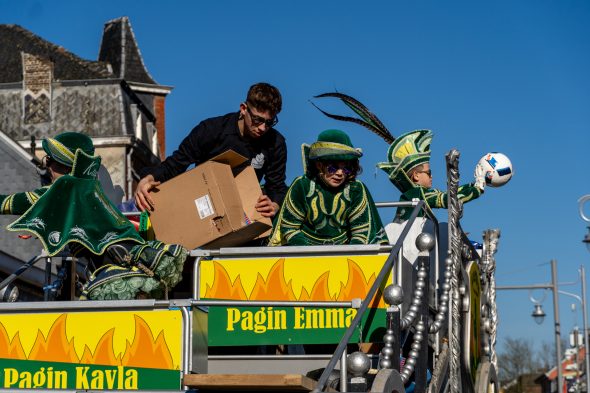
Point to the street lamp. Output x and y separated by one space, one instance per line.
538 314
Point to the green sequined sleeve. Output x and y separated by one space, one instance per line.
291 217
20 202
437 199
365 224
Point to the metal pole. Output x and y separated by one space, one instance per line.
557 325
577 347
343 372
585 316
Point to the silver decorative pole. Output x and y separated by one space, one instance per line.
491 237
455 210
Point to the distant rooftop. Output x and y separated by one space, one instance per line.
119 56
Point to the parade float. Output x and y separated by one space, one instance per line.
384 323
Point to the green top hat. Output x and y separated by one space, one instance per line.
63 147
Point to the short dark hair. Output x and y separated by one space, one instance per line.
265 97
354 165
58 166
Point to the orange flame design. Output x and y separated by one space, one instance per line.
144 351
276 287
358 287
103 353
55 347
8 349
319 292
223 284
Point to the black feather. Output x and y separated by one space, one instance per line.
369 121
356 121
357 107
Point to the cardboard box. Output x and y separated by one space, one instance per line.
209 206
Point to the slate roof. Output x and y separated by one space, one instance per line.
119 55
67 66
119 48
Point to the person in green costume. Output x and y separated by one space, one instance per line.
74 213
408 167
328 204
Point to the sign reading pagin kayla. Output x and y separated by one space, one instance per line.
319 278
127 350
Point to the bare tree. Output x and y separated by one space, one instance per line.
546 354
518 357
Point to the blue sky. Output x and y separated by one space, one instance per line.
500 76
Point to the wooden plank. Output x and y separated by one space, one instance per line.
237 382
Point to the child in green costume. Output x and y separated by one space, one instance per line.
328 205
408 167
74 212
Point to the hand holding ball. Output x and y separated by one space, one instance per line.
497 168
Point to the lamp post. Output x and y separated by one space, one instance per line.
581 202
538 315
582 300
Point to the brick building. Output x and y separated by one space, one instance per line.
45 89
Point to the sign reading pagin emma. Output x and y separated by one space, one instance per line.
306 279
126 350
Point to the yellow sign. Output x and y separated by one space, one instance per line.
86 350
324 278
305 279
137 339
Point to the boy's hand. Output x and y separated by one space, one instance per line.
480 177
143 201
266 207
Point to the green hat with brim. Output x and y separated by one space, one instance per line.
63 147
404 154
334 145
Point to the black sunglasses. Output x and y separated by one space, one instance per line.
258 120
332 168
428 172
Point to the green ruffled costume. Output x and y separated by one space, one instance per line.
153 269
74 210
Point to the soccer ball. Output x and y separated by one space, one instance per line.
498 169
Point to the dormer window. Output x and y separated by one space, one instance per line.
36 96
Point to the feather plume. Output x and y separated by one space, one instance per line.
369 120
